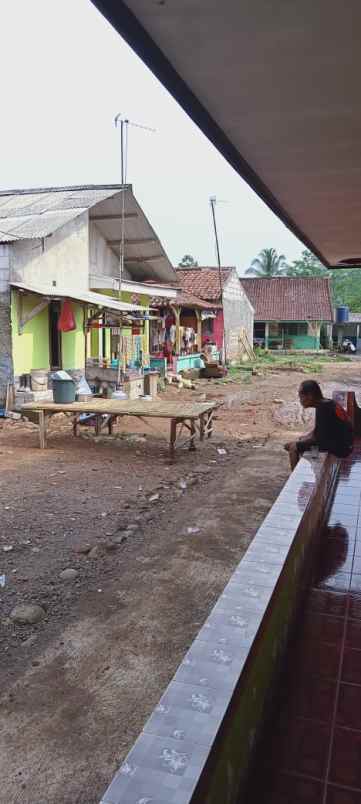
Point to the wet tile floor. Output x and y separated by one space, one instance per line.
313 754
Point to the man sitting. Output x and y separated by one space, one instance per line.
333 430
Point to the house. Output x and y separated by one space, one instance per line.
180 330
348 327
233 311
288 313
63 244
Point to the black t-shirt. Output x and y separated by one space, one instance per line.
333 429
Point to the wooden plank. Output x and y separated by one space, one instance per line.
157 409
42 429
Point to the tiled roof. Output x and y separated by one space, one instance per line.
184 299
287 299
203 282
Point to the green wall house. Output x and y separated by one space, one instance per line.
59 244
37 343
289 312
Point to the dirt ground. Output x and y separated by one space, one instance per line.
164 538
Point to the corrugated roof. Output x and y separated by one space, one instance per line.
203 282
29 214
287 299
87 296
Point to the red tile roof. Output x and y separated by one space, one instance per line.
183 299
203 282
287 299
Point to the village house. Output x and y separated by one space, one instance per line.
62 245
228 315
288 312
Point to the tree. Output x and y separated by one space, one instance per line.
267 264
188 262
306 265
345 283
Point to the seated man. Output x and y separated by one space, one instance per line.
333 430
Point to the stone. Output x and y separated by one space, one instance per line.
111 546
93 553
69 574
83 548
120 539
27 614
154 498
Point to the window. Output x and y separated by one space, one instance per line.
297 328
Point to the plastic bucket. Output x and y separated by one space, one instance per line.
39 380
64 391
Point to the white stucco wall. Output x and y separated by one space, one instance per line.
238 312
62 258
103 260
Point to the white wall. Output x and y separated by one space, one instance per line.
238 312
63 259
103 260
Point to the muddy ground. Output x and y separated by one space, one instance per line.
163 538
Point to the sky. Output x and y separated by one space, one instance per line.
66 74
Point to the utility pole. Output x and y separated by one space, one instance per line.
213 202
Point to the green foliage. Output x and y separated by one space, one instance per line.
188 262
267 264
345 282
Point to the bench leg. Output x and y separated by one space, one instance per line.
210 424
192 444
173 437
201 427
98 424
110 424
76 425
42 429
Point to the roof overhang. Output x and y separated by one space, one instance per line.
144 255
84 297
275 87
109 283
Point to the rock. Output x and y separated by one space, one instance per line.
192 530
120 539
131 528
83 548
8 548
69 574
278 401
154 498
192 481
111 546
27 614
93 553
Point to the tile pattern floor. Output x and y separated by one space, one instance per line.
314 752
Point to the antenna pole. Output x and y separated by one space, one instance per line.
213 202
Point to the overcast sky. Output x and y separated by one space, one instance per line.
65 75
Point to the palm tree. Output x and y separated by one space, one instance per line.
267 264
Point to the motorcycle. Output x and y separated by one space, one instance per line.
347 347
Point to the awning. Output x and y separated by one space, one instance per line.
276 88
83 296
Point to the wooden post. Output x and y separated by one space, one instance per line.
177 331
266 334
201 427
210 424
98 424
110 424
199 329
173 437
76 424
42 429
192 445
